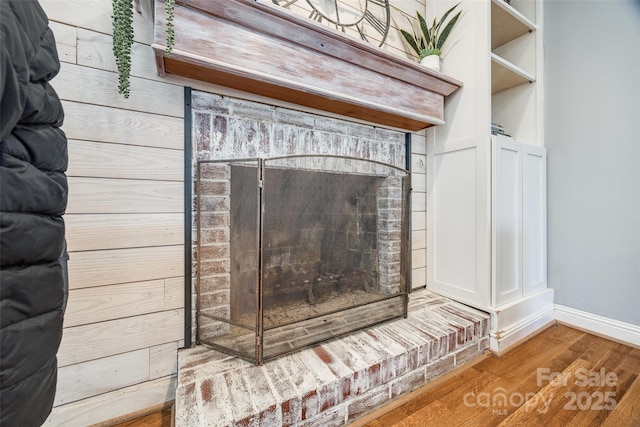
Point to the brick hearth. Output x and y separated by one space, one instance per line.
334 383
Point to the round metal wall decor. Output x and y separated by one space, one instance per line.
368 17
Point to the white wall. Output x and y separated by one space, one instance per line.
592 133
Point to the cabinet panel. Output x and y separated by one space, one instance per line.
455 220
507 221
518 220
457 265
534 218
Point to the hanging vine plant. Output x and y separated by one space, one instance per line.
123 38
169 7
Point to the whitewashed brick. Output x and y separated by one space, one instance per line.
365 402
286 392
336 382
407 383
333 418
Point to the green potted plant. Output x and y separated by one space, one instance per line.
427 42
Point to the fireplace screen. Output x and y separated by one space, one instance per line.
296 250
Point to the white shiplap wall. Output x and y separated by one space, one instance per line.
124 321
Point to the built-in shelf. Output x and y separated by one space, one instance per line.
507 23
505 75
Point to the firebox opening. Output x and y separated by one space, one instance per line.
316 247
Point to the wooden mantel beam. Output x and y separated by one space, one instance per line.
268 51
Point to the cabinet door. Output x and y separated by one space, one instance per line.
534 218
506 233
458 232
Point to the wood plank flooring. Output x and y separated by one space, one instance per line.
157 419
560 377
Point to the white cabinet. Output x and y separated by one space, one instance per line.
518 228
486 194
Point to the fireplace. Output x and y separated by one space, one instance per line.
301 226
317 247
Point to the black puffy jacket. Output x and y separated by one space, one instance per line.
33 197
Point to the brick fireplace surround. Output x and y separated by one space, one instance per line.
334 383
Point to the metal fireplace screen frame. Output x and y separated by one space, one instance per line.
296 250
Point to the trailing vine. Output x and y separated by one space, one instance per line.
123 38
169 7
122 42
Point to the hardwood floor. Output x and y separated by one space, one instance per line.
560 377
157 419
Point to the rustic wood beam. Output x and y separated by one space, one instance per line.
269 51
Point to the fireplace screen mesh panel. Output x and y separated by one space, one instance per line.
311 248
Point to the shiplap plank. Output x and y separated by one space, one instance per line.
418 258
97 340
105 124
95 51
173 293
418 144
418 182
418 221
107 160
66 44
418 163
99 376
94 15
94 86
117 266
92 305
104 195
163 360
419 239
114 404
418 201
90 232
418 277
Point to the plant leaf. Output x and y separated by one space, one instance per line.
411 40
447 30
444 17
425 31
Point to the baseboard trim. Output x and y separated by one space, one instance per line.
517 321
135 415
605 327
509 338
